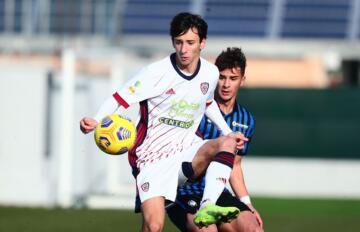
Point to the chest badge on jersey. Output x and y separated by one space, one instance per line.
204 86
145 186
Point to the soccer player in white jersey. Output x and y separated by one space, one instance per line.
174 93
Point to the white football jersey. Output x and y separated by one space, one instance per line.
172 105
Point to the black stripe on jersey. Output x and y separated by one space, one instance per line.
211 132
238 115
248 123
202 126
243 113
252 128
217 134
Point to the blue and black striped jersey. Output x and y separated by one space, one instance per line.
239 119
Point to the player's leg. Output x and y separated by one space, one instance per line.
153 212
221 147
217 175
214 158
220 154
245 222
155 183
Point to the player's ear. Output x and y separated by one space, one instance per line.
202 44
242 80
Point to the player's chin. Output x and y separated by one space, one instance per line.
225 97
184 63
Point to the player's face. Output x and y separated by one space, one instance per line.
229 83
188 47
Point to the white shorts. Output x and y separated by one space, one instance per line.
161 178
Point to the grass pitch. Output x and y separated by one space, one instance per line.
279 215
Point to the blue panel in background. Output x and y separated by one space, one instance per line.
316 19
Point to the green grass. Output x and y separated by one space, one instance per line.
279 215
284 215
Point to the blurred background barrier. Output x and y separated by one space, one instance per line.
311 123
59 59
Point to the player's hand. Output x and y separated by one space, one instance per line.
87 125
240 139
257 215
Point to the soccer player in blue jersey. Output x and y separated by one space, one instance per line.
231 64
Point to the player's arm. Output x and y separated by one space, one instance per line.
237 181
134 91
214 114
88 124
238 185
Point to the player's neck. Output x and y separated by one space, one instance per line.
188 69
226 106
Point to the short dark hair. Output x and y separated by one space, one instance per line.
184 21
231 58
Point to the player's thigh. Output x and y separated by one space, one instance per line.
153 212
209 150
198 159
203 155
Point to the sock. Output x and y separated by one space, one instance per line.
217 175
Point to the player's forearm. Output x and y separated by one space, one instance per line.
214 114
237 182
109 106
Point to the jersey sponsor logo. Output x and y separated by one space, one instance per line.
177 123
132 88
236 124
145 186
204 87
170 91
183 109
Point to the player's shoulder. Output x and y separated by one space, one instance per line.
159 65
157 69
241 107
243 110
208 66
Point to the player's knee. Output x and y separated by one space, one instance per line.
153 226
248 222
